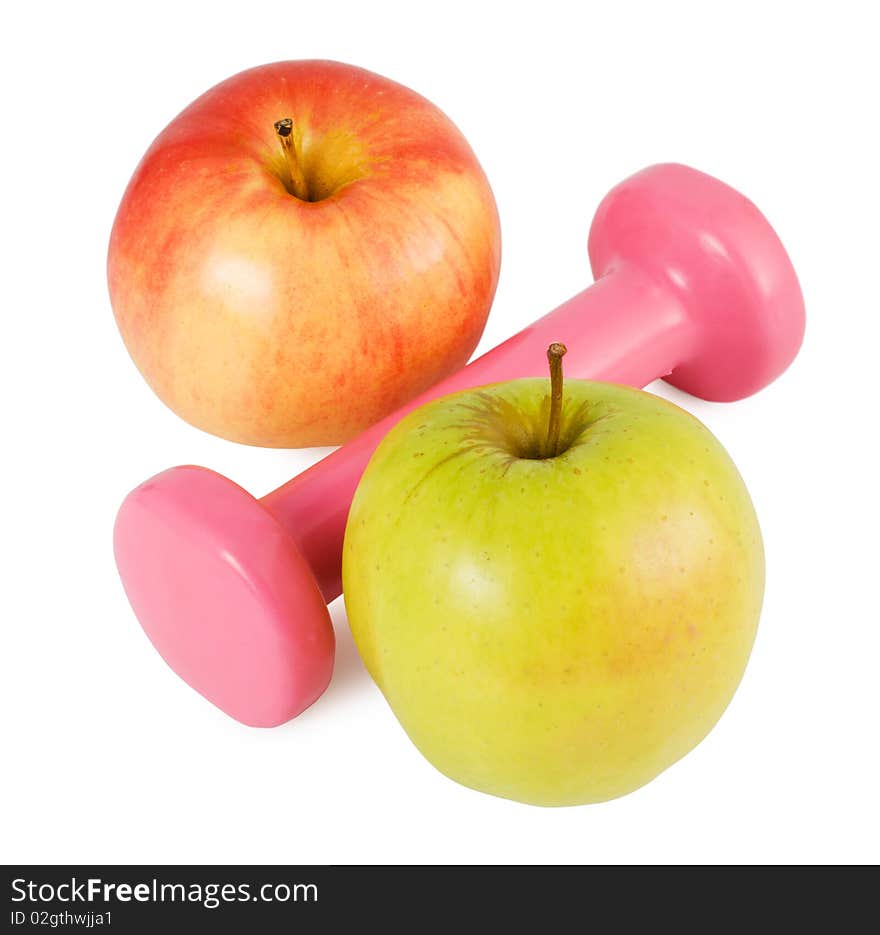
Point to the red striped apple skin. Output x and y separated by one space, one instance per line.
276 321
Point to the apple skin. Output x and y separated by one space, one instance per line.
553 631
275 321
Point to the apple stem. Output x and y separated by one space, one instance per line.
555 353
288 137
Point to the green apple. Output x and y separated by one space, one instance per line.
554 621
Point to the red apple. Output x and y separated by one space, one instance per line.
289 286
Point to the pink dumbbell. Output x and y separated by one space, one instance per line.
692 285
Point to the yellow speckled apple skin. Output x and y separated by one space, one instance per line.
553 631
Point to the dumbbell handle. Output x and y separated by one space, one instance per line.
624 328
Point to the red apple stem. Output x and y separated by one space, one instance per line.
555 353
288 137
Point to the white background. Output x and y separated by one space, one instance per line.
107 756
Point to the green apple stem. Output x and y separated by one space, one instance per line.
555 353
288 137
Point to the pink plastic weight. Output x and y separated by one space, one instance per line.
692 285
